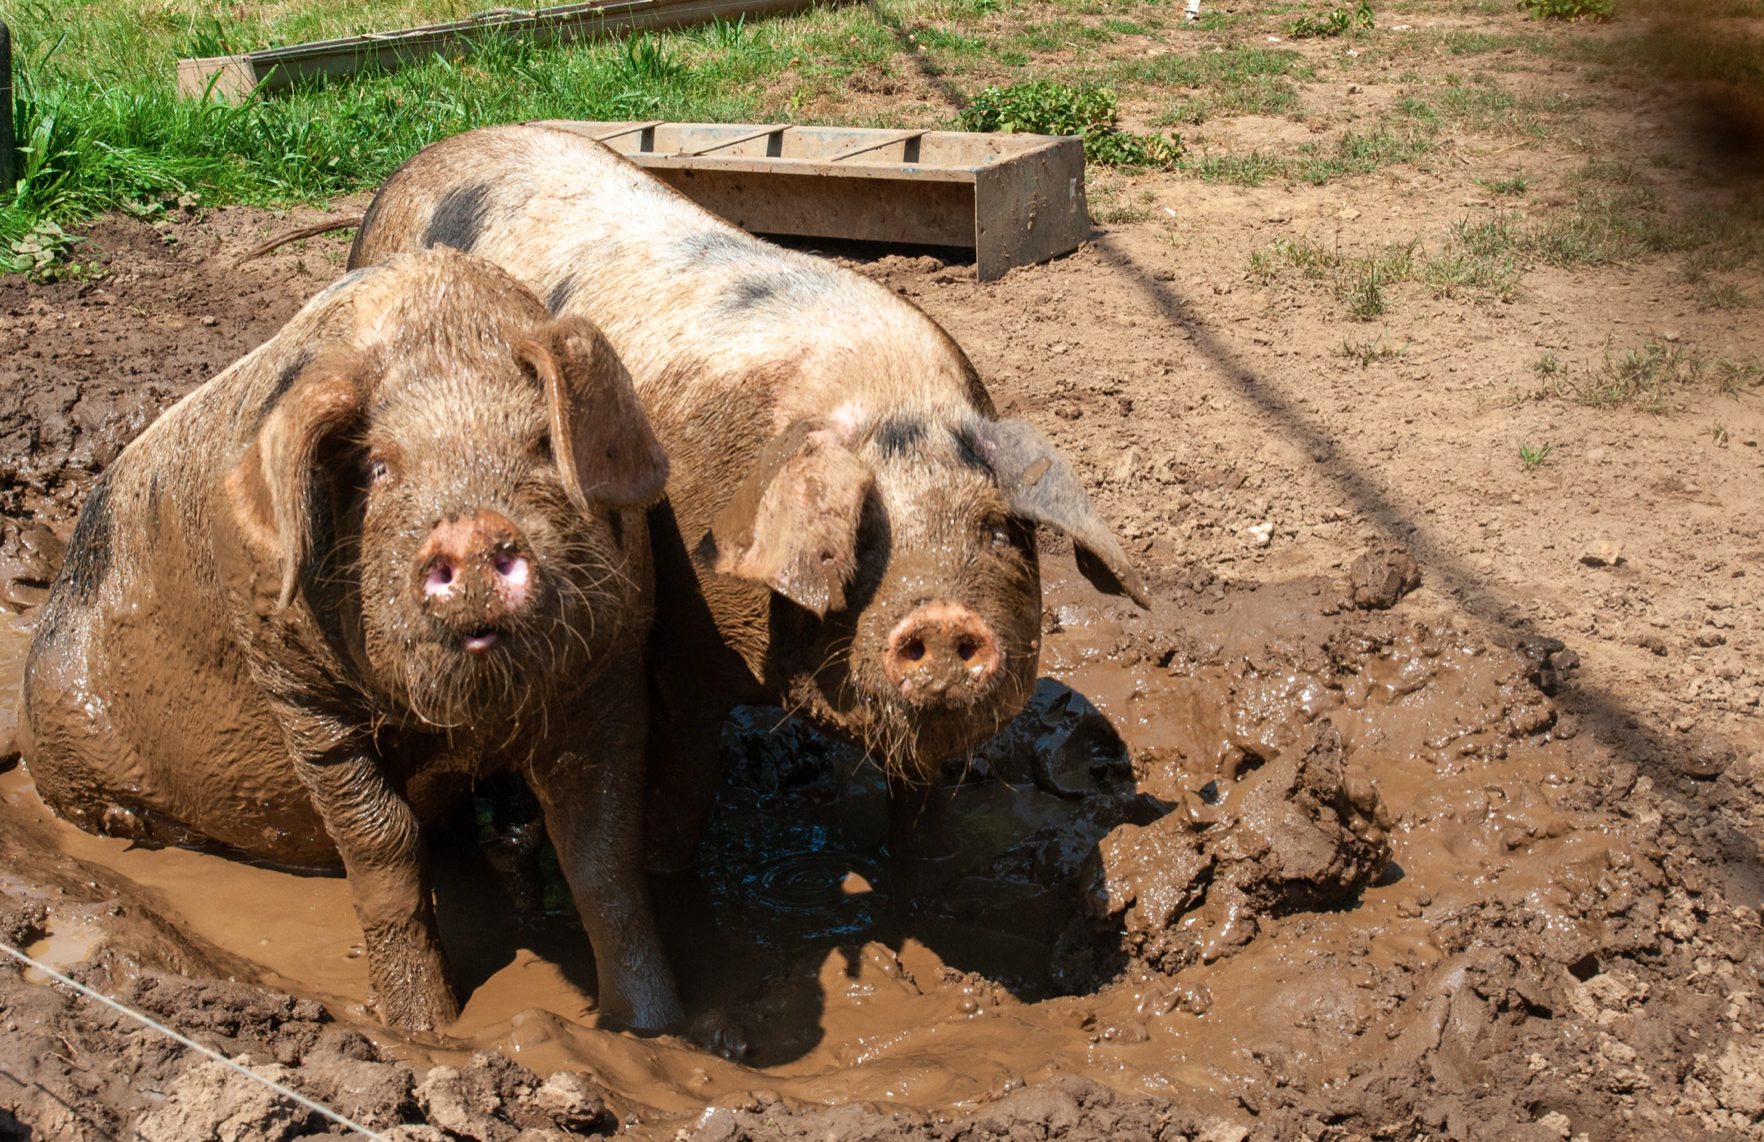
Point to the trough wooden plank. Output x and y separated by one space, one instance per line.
876 145
277 69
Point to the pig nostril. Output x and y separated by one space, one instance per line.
912 649
968 649
510 567
439 579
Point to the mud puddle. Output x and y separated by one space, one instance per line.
1257 813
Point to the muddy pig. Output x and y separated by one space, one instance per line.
849 529
399 546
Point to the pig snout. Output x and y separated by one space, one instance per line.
941 650
472 570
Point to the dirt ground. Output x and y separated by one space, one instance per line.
1427 802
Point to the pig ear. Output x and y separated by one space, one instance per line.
273 486
1042 488
794 520
599 435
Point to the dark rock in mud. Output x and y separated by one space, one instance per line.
1298 833
1551 662
1381 577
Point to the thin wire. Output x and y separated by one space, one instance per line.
188 1042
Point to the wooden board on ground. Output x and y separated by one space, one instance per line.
275 69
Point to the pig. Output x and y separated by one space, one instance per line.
849 529
400 546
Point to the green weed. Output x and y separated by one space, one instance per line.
1362 152
42 255
1532 456
1722 295
1335 22
1481 260
1510 186
1357 281
1643 378
1569 9
1735 377
1370 352
1252 169
1047 108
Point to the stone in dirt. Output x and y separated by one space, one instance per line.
1382 576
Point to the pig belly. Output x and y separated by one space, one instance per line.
167 740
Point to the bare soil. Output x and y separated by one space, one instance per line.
1426 803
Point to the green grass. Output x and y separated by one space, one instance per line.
1570 9
1362 152
1643 377
98 130
1368 353
90 144
1532 456
1252 169
1722 295
1511 185
1358 281
1480 261
1649 377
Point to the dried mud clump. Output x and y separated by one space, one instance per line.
1065 1107
1381 577
1297 833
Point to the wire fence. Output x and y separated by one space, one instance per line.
148 1021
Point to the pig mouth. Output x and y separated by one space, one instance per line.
480 639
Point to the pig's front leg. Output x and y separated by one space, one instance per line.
381 843
592 794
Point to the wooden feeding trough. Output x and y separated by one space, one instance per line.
1013 199
275 69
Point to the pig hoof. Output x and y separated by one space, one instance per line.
720 1034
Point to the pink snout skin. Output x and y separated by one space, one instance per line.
942 646
475 555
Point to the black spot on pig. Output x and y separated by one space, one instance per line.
285 379
899 435
716 247
560 295
458 219
153 506
88 552
968 450
751 291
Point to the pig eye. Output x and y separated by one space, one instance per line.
998 534
378 470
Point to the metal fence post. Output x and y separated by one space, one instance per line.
8 165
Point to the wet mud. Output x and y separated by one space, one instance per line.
1314 856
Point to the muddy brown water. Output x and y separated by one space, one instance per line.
943 985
